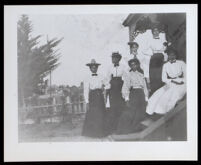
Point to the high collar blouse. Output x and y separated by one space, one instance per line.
91 83
134 80
174 70
118 71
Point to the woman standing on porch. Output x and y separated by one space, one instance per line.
158 46
135 93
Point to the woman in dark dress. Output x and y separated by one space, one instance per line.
93 91
158 46
114 82
135 93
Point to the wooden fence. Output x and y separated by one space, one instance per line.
52 113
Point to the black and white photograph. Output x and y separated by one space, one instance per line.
111 77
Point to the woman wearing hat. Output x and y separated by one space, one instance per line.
113 84
173 75
135 93
158 45
93 92
144 51
134 47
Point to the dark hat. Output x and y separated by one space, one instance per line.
131 43
133 60
170 50
156 25
93 62
116 54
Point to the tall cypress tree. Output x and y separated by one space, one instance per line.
34 61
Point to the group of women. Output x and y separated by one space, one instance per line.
153 82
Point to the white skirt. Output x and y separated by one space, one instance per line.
165 98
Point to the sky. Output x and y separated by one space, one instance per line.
85 37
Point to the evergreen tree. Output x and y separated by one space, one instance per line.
34 61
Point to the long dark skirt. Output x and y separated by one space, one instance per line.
94 120
117 105
130 119
155 71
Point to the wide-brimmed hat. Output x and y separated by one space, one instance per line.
131 43
116 54
93 62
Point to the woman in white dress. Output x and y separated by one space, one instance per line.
174 77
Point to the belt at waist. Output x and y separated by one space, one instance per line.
95 90
158 51
133 88
116 78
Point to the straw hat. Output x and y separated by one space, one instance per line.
93 62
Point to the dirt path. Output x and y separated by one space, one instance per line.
52 132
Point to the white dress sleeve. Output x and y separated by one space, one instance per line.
183 66
107 79
86 91
164 75
125 73
183 70
126 88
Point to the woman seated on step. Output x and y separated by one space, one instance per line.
174 77
135 93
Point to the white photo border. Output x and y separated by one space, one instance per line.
91 151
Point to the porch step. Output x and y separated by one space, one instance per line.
151 125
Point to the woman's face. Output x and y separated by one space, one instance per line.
134 49
172 57
134 66
115 60
94 68
155 32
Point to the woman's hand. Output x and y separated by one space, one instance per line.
178 83
87 106
146 99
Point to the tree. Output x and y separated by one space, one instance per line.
34 61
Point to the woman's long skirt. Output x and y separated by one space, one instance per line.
165 98
94 120
130 119
117 105
155 71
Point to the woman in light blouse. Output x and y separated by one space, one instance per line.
93 92
114 81
158 45
135 93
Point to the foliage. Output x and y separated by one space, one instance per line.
34 62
